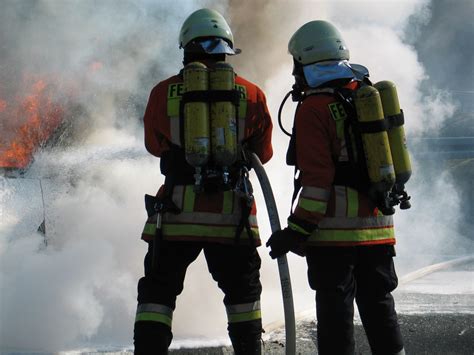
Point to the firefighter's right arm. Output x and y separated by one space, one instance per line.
155 121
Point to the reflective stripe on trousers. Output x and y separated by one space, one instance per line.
155 313
243 312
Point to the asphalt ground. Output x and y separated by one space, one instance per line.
435 308
430 334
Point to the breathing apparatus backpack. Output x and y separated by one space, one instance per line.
379 163
209 130
210 155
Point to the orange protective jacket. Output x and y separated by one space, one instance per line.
344 216
205 216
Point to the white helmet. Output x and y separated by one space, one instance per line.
317 41
210 29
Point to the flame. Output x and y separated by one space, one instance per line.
41 117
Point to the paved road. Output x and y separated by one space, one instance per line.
436 313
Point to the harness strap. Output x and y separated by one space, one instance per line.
396 120
373 126
212 96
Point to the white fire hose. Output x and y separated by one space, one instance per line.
285 281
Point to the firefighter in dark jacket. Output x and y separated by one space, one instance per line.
205 208
348 242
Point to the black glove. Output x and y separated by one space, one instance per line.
282 241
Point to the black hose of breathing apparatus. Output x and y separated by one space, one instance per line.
296 96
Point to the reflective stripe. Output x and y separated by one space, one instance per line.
153 317
189 197
244 317
174 101
207 218
155 313
312 205
340 201
155 308
244 307
344 156
352 202
356 222
297 228
316 193
243 312
175 130
348 235
202 230
150 229
228 204
243 101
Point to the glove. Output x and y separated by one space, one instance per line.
282 241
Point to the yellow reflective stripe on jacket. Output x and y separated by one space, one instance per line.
243 100
339 115
228 204
207 218
154 313
297 228
243 312
149 229
355 235
356 222
346 201
312 205
340 201
354 229
352 202
189 198
175 92
202 230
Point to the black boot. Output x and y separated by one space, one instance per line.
250 345
151 338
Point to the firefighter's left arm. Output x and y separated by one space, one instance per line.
154 119
314 157
260 138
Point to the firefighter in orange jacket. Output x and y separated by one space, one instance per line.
219 217
348 242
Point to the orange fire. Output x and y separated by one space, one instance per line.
41 117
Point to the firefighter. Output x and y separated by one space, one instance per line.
347 241
203 206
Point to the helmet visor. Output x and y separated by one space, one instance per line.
319 73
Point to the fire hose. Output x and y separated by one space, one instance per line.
284 272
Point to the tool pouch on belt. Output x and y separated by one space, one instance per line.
150 205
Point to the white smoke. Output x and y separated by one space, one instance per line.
80 290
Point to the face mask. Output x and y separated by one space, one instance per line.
319 73
217 46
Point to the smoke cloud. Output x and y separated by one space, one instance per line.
101 60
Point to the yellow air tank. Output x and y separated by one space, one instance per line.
223 117
196 117
396 134
375 141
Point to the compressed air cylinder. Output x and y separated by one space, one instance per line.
223 117
396 134
197 145
376 144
